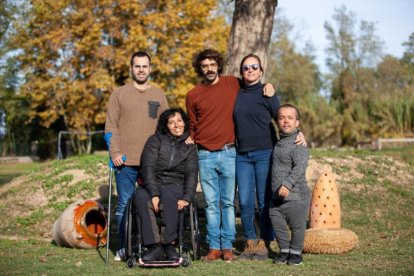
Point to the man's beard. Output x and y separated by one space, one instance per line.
210 78
140 82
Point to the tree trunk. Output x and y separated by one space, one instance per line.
250 32
89 145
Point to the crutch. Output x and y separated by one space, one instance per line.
111 165
107 138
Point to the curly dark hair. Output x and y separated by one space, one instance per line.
163 120
210 54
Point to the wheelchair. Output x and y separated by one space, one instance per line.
188 241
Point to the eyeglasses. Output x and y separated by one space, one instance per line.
208 65
246 67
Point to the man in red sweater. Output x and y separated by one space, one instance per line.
210 111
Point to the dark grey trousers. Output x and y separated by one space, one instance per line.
289 215
150 231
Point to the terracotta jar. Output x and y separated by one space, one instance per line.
83 224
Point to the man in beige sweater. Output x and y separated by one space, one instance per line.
131 118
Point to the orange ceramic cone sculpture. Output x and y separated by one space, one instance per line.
325 234
325 209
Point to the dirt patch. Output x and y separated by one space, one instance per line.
16 183
35 201
78 175
363 174
314 170
22 198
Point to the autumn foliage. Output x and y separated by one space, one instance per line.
73 53
61 60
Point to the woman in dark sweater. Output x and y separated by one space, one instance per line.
169 168
256 136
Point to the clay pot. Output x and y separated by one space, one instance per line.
83 224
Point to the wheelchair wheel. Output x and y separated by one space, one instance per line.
195 231
131 262
186 262
128 230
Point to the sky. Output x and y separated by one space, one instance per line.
394 20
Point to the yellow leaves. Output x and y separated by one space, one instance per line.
75 52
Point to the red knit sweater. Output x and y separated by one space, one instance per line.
210 111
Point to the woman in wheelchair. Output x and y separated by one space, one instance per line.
169 169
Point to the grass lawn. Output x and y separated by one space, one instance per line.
378 254
377 203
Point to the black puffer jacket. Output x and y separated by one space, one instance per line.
165 160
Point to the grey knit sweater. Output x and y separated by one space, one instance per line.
289 168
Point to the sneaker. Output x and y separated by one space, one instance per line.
248 252
282 258
154 253
260 252
120 255
295 259
171 253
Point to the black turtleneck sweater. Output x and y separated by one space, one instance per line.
253 115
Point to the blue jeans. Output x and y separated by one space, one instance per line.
217 177
253 177
126 177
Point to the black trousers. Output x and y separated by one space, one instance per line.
150 230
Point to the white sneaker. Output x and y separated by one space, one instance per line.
120 255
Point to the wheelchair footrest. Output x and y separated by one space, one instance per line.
160 263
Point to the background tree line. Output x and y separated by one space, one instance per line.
61 60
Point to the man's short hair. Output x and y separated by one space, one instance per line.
207 54
290 106
140 54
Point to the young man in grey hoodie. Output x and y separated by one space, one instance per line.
290 193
